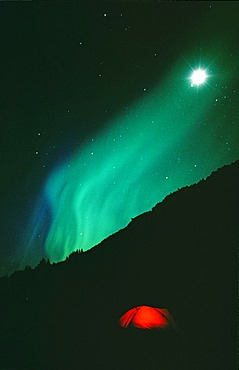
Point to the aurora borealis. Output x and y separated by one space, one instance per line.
144 155
172 133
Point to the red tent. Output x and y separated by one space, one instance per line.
146 317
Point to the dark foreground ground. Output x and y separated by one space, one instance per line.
181 256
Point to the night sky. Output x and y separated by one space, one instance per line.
99 118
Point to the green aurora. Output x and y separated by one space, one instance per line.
169 139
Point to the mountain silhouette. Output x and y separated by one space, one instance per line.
181 256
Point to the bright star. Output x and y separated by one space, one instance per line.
198 77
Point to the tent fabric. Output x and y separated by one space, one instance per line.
146 317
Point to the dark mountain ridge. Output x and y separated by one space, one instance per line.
182 255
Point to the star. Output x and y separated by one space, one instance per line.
198 77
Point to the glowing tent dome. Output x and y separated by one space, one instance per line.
146 317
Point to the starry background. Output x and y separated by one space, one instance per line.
82 85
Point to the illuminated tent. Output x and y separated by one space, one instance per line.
146 317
